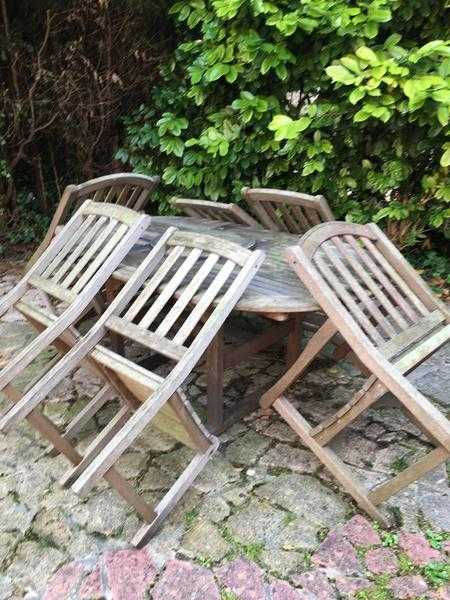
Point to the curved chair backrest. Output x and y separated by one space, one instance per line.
282 210
218 211
73 269
360 277
125 189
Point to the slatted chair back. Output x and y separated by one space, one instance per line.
391 321
218 211
291 212
74 267
367 279
124 189
174 304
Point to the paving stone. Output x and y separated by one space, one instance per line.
257 522
7 485
244 578
280 590
103 513
237 495
217 474
337 553
64 581
203 540
418 549
349 586
434 504
316 583
7 543
299 534
184 581
281 562
6 588
14 516
33 564
381 560
442 593
359 531
82 544
132 464
129 573
53 526
281 432
410 586
155 479
214 508
91 587
306 497
154 440
295 459
433 376
247 449
164 546
355 449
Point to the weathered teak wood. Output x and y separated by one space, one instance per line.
275 291
282 210
392 323
219 211
124 189
162 318
77 292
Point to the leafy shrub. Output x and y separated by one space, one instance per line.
350 100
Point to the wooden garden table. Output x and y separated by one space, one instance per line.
275 293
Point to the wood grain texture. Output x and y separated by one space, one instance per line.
286 211
389 320
124 189
274 291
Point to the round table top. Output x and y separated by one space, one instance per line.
275 290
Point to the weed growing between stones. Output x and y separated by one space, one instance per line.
437 573
190 517
251 551
228 595
379 591
436 539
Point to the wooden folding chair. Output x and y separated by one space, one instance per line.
291 212
174 305
219 211
390 320
72 270
125 189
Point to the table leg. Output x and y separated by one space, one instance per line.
214 387
293 344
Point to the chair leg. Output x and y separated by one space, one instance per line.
333 463
294 339
86 414
50 432
182 484
432 460
97 445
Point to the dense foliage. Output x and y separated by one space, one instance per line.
347 99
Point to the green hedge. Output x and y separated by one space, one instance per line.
347 99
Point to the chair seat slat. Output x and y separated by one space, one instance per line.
412 335
53 289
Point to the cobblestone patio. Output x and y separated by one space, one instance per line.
263 521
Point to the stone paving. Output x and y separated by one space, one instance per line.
263 521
